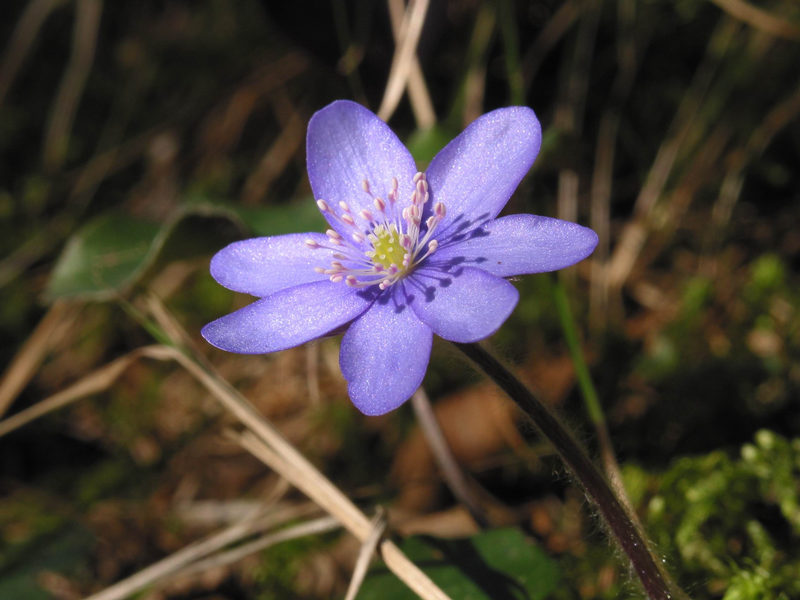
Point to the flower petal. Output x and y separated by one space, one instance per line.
476 173
287 318
347 145
384 356
262 266
464 304
518 244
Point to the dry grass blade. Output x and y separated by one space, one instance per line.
634 235
22 40
265 442
87 26
365 555
312 527
605 152
395 560
418 94
402 61
28 358
94 382
275 159
194 552
454 475
759 18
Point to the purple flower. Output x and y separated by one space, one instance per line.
407 255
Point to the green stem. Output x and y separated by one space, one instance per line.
620 523
588 391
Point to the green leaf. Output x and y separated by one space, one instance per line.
425 144
111 252
103 257
500 564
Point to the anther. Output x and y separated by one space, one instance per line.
311 243
323 206
343 206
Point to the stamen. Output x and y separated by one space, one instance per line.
390 246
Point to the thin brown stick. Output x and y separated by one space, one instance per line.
84 40
457 480
408 37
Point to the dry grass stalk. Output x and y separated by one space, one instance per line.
73 82
418 94
30 356
96 381
336 503
636 231
179 562
759 18
22 39
365 555
457 480
408 38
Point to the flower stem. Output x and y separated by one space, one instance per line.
619 521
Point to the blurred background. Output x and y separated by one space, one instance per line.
137 138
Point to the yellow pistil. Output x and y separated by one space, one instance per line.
386 247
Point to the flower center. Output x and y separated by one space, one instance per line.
384 245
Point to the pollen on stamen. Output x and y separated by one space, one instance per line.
343 205
311 243
323 206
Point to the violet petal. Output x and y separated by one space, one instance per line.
287 318
476 173
346 145
384 356
262 266
519 244
463 305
